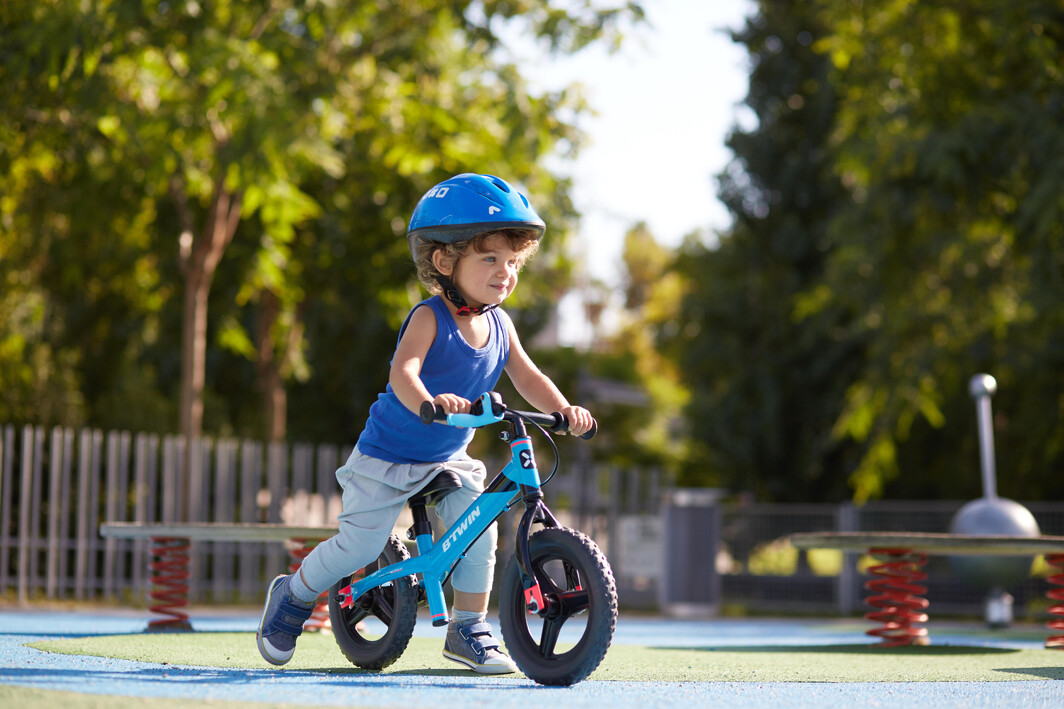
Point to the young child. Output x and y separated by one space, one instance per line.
469 236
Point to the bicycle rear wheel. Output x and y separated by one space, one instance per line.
394 604
580 597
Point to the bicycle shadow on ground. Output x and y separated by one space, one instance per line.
426 672
1043 672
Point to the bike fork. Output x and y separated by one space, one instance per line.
535 511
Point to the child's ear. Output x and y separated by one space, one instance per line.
442 263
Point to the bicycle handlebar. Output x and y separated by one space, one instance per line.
478 416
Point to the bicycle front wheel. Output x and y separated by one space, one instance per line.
566 641
394 604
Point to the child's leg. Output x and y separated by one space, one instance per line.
472 578
374 492
291 599
371 508
359 541
469 640
471 602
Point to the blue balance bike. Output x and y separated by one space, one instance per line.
558 578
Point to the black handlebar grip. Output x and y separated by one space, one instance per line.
429 412
561 425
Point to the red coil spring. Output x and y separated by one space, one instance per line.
900 600
168 585
319 619
1056 594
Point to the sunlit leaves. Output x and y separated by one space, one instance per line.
122 118
765 346
948 118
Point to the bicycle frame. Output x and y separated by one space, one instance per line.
436 560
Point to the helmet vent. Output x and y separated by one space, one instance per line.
501 184
487 194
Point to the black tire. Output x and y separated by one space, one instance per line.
394 604
576 580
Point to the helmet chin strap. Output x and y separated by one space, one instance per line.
451 293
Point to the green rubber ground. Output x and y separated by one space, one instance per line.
828 663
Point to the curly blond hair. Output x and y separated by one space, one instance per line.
525 242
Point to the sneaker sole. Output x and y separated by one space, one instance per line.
479 669
258 633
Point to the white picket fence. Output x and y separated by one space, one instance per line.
58 485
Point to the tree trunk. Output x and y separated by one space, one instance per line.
270 381
199 267
193 353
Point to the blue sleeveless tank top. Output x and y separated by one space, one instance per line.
396 434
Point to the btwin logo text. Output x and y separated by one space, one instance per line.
460 529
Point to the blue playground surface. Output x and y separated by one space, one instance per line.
27 667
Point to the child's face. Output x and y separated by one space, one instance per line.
489 276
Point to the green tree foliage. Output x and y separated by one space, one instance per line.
767 372
77 281
653 433
260 158
898 229
624 377
948 140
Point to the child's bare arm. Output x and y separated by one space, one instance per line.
405 374
538 389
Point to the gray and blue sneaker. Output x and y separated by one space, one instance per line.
282 622
472 645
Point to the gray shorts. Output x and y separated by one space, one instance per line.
374 492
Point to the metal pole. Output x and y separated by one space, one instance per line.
982 387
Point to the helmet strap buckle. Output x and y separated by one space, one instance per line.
464 309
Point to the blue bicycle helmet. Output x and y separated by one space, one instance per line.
466 205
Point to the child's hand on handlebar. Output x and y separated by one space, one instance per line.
579 418
452 403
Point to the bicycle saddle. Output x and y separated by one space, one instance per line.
442 484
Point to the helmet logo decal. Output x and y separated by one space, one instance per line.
437 192
492 209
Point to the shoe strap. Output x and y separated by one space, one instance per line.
478 637
286 611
